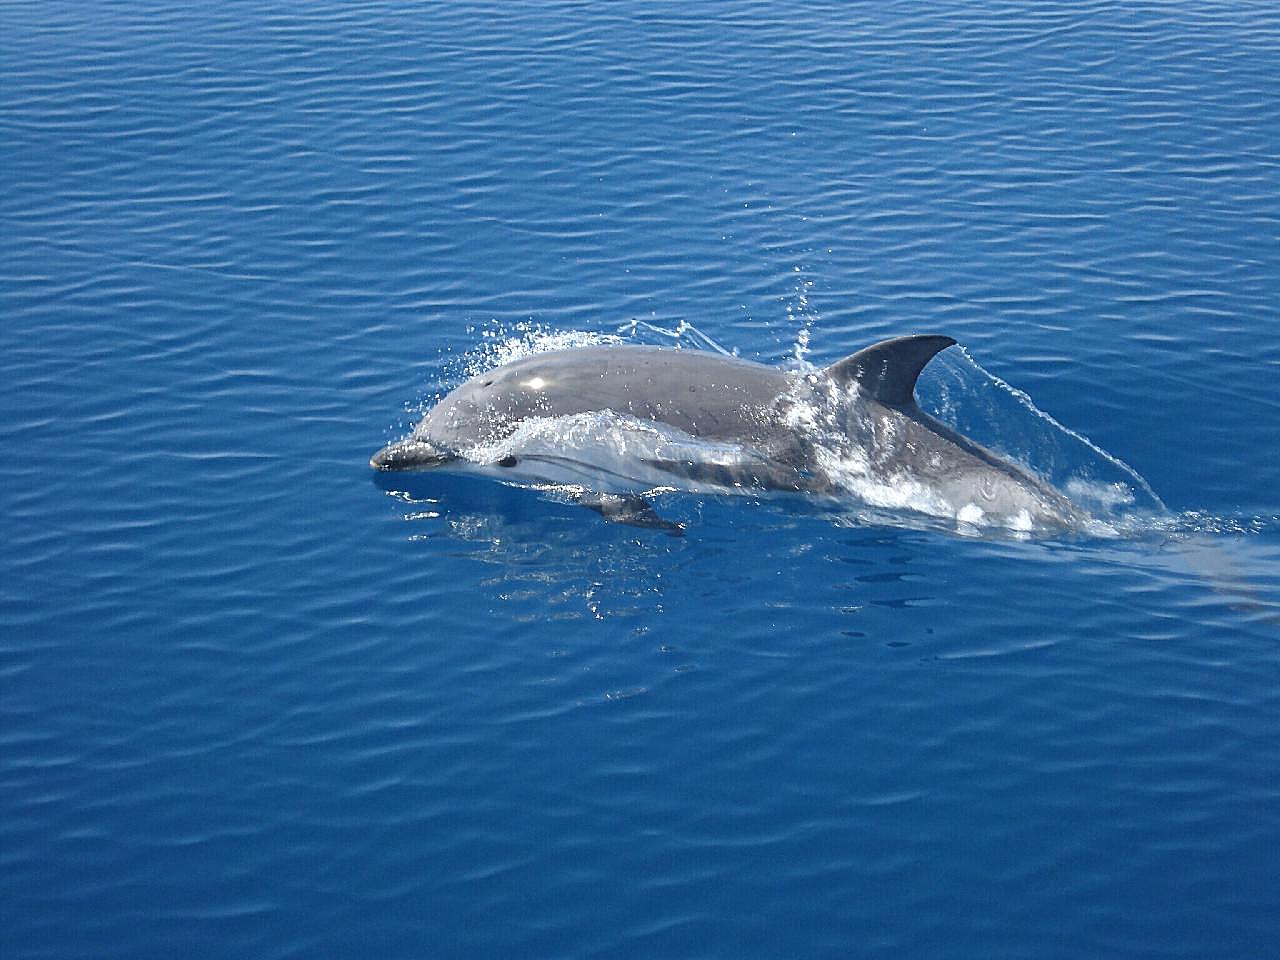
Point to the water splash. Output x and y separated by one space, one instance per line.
803 317
501 345
958 391
643 332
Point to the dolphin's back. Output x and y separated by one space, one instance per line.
702 394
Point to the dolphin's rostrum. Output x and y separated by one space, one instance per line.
853 428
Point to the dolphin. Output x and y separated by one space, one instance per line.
706 421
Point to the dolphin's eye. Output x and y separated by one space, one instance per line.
507 461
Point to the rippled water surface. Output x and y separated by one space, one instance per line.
255 702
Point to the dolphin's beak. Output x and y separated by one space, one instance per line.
409 454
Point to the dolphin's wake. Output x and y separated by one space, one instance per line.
975 456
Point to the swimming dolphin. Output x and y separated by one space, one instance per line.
717 422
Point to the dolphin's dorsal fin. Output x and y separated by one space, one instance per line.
887 371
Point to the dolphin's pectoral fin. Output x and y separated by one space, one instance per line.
887 371
631 509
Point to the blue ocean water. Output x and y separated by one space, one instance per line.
253 703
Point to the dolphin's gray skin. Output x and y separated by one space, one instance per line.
868 398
